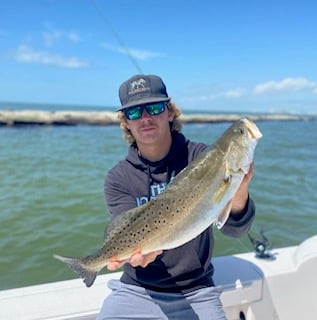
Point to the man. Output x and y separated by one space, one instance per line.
177 283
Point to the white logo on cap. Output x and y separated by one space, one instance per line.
137 86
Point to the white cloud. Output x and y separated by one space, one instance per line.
73 36
53 35
210 96
287 84
25 54
235 93
135 53
50 37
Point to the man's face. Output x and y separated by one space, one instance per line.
151 129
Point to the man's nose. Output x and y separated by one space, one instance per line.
145 114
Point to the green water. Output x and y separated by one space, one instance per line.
51 192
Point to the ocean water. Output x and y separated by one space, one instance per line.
51 192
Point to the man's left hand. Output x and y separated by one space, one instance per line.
240 198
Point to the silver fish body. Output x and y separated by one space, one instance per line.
198 196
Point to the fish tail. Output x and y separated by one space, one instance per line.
88 275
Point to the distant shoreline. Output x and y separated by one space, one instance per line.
102 118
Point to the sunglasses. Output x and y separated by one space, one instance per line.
135 113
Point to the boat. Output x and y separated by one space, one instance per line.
265 284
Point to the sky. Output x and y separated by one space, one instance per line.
231 56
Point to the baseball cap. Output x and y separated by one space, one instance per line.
142 89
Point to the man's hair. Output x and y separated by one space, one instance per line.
175 124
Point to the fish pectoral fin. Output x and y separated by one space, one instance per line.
223 215
137 251
88 275
227 176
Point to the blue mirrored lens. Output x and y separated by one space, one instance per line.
155 108
134 113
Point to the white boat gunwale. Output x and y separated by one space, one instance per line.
256 289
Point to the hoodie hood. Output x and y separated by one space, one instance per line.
162 170
179 143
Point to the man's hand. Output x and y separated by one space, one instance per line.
136 260
240 198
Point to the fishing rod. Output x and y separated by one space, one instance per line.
116 35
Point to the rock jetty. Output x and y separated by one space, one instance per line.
42 117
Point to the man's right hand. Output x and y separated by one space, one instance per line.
136 260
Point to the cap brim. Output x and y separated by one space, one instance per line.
143 101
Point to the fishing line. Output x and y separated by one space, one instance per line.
116 35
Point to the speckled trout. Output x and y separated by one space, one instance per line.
199 196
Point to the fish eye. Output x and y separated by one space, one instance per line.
240 131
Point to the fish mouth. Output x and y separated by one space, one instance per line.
253 130
254 135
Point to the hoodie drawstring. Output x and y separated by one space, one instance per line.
149 179
149 182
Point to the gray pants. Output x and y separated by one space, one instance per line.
132 302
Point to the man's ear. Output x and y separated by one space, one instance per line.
171 115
